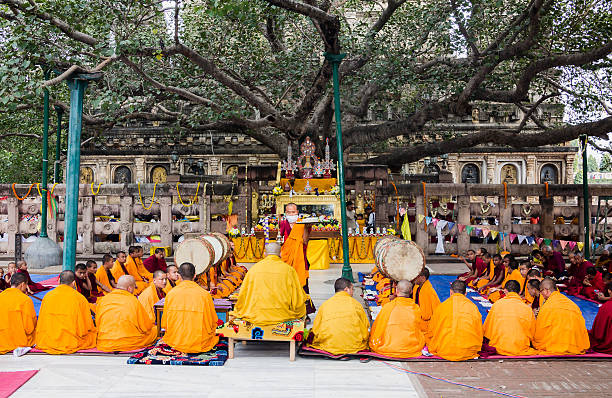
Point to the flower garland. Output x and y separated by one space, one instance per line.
192 200
152 199
92 191
334 250
505 195
26 195
40 193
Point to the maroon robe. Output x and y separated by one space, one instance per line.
34 287
4 284
578 273
601 333
554 265
596 284
480 267
95 290
152 264
80 287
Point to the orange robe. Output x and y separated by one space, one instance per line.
484 279
427 299
189 319
514 275
510 326
17 320
123 323
396 332
457 329
149 297
102 277
292 252
133 267
169 285
119 270
560 328
65 323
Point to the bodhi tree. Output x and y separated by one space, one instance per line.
257 67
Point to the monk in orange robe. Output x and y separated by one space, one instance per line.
427 299
136 269
532 274
560 326
510 324
65 323
188 307
510 265
123 323
487 273
17 316
397 330
294 247
153 293
456 326
533 289
105 276
172 277
496 276
120 268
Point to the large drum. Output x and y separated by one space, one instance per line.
398 259
203 252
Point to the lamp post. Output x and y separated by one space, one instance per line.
45 159
586 199
335 59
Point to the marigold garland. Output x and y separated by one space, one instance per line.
26 195
192 200
92 191
505 195
546 185
152 199
40 193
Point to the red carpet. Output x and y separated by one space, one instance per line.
11 381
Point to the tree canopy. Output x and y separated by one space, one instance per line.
257 66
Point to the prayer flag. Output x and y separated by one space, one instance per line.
572 244
539 240
512 237
485 232
563 244
435 222
469 229
406 229
421 217
547 242
427 220
450 226
530 240
478 231
461 227
555 242
521 239
580 245
494 234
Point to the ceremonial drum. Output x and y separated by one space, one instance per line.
398 259
227 248
203 252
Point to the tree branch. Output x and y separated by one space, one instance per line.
600 148
529 112
471 42
304 9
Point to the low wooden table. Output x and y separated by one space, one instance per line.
222 307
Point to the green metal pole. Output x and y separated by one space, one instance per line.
58 144
77 92
45 159
587 199
335 59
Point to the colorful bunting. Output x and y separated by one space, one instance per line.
469 229
512 237
521 239
572 244
427 220
435 222
580 245
547 242
461 227
450 226
421 217
494 234
539 240
530 240
563 244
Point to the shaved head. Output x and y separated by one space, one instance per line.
127 283
66 277
549 284
404 288
458 287
187 271
159 279
512 286
18 279
273 249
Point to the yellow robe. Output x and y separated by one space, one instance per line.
292 252
102 277
457 329
148 298
341 326
65 323
485 279
189 319
560 328
271 293
169 286
142 270
510 326
396 332
118 272
17 320
123 323
514 275
428 302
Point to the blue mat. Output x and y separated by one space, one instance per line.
441 284
40 295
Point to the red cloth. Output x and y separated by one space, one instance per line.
81 288
480 267
12 381
601 333
578 273
152 264
95 292
596 284
34 287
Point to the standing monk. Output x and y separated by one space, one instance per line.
17 316
105 276
188 307
294 248
427 299
65 323
153 293
156 261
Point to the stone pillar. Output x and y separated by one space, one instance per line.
140 170
505 219
547 227
87 225
203 206
491 161
531 178
422 238
213 166
13 225
463 217
103 175
127 219
165 228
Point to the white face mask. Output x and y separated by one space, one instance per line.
291 218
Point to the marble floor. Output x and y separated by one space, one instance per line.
258 370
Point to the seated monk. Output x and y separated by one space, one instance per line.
532 274
156 261
104 275
230 275
600 334
3 283
470 261
11 269
33 287
554 264
479 267
172 277
496 276
593 283
427 299
486 275
97 289
577 272
510 324
604 262
82 282
397 330
533 289
134 266
341 324
65 323
510 266
123 323
17 316
153 293
456 326
271 292
120 269
189 307
560 327
606 294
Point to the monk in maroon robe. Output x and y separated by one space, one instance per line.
92 268
593 283
601 333
82 282
33 287
156 261
577 273
3 284
554 264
